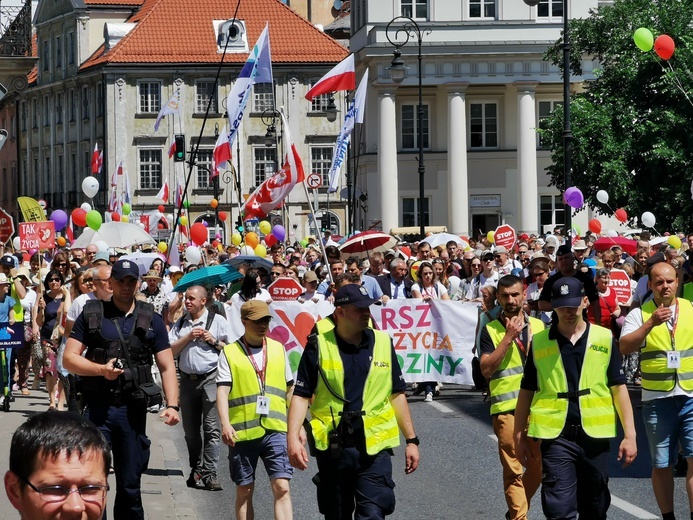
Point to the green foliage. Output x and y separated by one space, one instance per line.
632 126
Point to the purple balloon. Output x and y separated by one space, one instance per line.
218 236
279 232
59 218
205 223
573 197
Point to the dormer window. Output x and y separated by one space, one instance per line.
231 34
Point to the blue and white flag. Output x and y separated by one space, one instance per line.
353 115
258 69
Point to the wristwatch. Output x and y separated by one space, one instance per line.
414 440
177 408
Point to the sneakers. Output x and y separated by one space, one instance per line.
429 397
211 483
194 480
416 388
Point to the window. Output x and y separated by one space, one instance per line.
59 52
483 125
150 97
59 109
73 171
23 116
551 211
46 111
545 110
417 9
35 113
550 9
71 48
99 100
320 162
85 102
150 169
410 211
263 97
204 93
73 105
265 159
409 127
482 8
204 169
46 55
319 103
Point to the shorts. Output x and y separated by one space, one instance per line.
668 422
271 448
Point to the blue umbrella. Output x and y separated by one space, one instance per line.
254 262
209 276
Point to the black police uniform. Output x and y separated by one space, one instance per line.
110 405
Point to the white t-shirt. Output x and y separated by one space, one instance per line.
224 371
262 295
435 292
78 306
28 303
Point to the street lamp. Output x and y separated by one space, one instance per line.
331 111
567 133
410 29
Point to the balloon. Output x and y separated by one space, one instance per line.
648 219
261 251
186 203
59 218
252 240
603 197
595 226
115 216
90 186
86 207
265 227
414 269
159 226
102 246
279 232
576 231
162 247
169 218
664 46
17 243
304 243
125 218
621 215
611 233
79 217
236 239
490 236
643 39
161 208
674 241
215 243
94 220
192 255
183 221
214 203
127 208
61 241
217 236
198 233
573 197
270 240
247 251
222 216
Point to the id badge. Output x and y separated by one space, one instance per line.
673 359
262 407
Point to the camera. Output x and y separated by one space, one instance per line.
118 364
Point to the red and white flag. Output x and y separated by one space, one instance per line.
163 193
113 201
271 193
96 160
70 231
179 194
172 148
118 172
221 154
341 77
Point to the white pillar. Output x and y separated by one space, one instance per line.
387 161
527 158
458 189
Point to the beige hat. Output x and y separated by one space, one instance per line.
254 310
4 279
152 275
310 276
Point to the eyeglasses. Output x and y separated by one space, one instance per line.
54 280
89 493
91 253
87 280
62 264
488 259
476 266
274 273
539 273
294 258
262 321
97 279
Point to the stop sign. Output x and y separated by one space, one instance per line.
6 226
620 284
504 236
285 288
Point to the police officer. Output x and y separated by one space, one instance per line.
358 410
113 373
574 386
504 346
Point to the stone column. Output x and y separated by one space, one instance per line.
458 189
527 157
387 161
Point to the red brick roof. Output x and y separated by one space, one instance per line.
33 73
128 3
175 31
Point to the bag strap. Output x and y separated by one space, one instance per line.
124 348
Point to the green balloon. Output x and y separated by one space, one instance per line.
304 243
127 209
94 220
643 39
186 203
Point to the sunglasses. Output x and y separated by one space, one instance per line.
87 280
262 321
62 264
54 280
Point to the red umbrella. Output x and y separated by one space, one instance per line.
628 245
367 242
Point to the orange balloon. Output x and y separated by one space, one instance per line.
61 241
214 203
252 240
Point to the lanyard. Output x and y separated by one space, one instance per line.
672 331
519 342
260 373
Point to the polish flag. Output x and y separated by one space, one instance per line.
96 160
221 154
163 193
341 77
172 148
116 173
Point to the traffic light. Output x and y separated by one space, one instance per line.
179 154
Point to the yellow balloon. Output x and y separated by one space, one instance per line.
125 218
252 240
162 247
674 241
490 237
265 227
236 239
414 269
261 251
184 221
220 248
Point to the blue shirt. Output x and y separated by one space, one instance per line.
371 285
5 306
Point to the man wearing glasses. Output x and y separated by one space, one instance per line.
59 466
277 271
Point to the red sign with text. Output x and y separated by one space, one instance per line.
620 284
6 226
37 235
285 288
505 236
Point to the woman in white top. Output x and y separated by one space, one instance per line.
251 289
24 353
428 286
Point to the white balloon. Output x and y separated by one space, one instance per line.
141 224
648 219
247 251
86 207
169 217
90 186
611 233
192 255
603 196
17 243
102 246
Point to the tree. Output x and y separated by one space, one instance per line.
633 125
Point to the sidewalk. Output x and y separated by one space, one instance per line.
164 492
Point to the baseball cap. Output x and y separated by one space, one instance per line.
567 292
551 241
356 295
123 268
102 256
310 276
579 245
486 255
655 259
564 250
7 261
501 249
254 310
173 269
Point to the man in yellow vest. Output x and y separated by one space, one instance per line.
662 330
574 387
504 346
254 384
358 410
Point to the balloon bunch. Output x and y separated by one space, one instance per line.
594 225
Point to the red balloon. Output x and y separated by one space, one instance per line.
159 226
161 208
664 46
270 240
621 215
198 233
115 216
79 217
595 226
222 215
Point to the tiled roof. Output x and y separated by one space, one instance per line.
175 31
33 73
128 3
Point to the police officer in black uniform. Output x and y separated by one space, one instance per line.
120 338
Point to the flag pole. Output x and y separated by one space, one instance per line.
317 238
